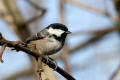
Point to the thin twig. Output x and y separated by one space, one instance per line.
90 41
65 51
85 5
36 17
61 9
96 32
64 57
22 73
1 53
106 7
117 7
15 19
38 8
98 36
116 73
92 8
34 5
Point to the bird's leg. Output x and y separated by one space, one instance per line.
52 60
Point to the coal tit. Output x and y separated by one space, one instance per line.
49 40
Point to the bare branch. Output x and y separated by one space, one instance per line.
105 2
117 7
99 34
96 32
44 60
22 73
64 57
15 19
94 9
38 8
34 5
85 5
36 17
61 9
90 41
1 53
116 73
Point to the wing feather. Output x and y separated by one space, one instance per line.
42 34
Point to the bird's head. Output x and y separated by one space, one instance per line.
58 30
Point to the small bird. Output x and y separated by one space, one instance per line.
48 41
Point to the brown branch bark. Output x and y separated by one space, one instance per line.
116 73
91 8
36 17
85 5
117 7
90 41
43 11
34 5
99 34
64 56
96 32
13 17
61 9
106 7
18 74
1 52
16 19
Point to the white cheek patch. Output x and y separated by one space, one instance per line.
57 32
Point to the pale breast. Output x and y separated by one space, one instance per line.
47 46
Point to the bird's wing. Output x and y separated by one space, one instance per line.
32 38
42 34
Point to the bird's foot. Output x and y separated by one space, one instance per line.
53 61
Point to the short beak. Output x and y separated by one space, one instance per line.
68 32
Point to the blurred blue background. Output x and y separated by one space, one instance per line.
95 62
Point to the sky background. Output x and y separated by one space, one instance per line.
96 62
